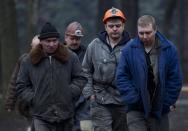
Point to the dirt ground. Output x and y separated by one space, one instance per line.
12 122
178 119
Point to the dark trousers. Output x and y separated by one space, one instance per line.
137 122
119 117
40 125
108 117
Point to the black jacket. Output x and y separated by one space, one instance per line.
50 83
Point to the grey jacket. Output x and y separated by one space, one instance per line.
49 84
99 66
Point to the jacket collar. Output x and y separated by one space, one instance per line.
37 54
125 37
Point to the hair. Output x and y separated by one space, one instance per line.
145 20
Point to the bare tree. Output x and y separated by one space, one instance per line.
168 16
130 8
32 17
182 34
8 40
103 5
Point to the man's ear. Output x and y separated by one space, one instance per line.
123 24
105 26
156 28
65 38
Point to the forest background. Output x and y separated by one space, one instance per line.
20 20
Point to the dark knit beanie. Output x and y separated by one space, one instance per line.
48 31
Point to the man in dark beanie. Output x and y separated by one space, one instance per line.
49 80
48 31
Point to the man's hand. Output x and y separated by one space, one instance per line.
92 97
173 108
9 110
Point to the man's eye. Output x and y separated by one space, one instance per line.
147 33
141 33
48 41
110 26
118 26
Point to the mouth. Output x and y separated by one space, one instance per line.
114 33
73 46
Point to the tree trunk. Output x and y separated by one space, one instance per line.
130 9
182 34
103 6
31 17
2 12
169 11
8 41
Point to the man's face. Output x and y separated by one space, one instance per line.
50 45
114 28
146 34
73 42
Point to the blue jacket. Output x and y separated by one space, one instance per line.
131 77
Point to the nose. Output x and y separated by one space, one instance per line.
145 36
114 28
51 44
74 41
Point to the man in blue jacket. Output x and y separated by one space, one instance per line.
149 78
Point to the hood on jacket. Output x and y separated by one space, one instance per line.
37 53
102 36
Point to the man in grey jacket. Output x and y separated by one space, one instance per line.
99 65
49 80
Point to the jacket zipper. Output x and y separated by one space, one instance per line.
51 70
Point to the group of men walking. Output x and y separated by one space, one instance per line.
115 84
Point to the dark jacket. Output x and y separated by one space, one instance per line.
48 84
11 93
80 52
11 98
132 77
82 107
99 65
